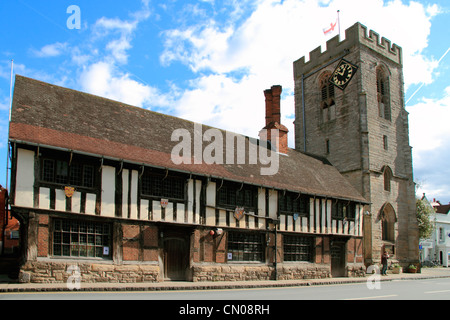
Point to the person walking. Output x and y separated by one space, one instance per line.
384 262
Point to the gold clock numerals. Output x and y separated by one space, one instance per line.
343 74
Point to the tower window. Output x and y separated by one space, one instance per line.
387 178
385 142
327 104
384 107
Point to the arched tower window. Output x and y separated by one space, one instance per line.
327 104
384 106
387 178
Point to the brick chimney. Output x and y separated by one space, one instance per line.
273 116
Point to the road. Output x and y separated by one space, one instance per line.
428 289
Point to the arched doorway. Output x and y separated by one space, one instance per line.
388 220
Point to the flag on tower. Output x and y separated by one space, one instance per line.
330 29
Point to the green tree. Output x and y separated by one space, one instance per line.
425 216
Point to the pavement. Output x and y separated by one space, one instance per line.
8 285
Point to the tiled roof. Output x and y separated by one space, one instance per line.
50 115
443 208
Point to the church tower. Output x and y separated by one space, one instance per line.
349 105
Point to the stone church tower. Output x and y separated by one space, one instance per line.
349 105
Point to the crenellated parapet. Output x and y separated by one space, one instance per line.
383 46
356 35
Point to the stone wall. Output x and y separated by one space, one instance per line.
54 272
59 272
260 272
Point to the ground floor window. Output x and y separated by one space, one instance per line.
72 238
297 248
244 246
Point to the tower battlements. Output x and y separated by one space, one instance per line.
357 34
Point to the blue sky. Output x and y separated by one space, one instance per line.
210 60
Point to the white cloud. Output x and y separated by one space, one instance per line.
104 26
104 80
429 127
51 50
430 139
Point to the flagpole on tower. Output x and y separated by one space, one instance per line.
339 23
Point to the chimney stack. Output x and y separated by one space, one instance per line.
269 102
273 119
276 98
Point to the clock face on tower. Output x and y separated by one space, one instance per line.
343 74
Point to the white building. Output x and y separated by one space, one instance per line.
437 248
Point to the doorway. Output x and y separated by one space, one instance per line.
338 258
176 258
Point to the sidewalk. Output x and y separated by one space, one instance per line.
5 286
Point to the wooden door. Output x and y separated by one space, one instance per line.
338 259
175 259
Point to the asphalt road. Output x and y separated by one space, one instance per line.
428 289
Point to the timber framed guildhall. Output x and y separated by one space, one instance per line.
93 185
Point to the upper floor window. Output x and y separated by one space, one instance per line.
162 186
292 203
342 209
232 195
441 234
69 173
327 104
384 107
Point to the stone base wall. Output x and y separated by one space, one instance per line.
356 270
260 272
231 273
54 272
304 271
59 272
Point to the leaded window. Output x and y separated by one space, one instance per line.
163 186
73 238
243 246
342 209
63 172
293 203
232 195
298 248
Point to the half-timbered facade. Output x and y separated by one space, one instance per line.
95 186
